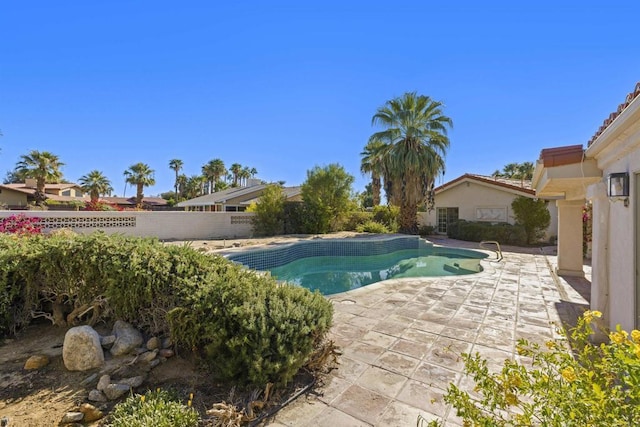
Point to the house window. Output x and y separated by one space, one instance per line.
446 216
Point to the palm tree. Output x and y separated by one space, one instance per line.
416 132
213 170
176 166
42 166
244 175
372 162
96 184
525 171
235 171
140 175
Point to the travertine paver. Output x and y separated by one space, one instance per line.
401 339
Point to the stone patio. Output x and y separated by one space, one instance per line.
400 339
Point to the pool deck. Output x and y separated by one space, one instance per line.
400 338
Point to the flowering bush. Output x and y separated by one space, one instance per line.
585 385
20 224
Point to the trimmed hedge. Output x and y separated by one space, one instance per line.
503 232
246 327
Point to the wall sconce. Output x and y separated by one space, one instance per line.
618 186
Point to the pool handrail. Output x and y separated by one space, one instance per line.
493 242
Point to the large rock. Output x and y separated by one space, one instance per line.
81 349
91 413
114 391
128 338
36 362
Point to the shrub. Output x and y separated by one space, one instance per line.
478 231
585 385
20 224
158 408
532 215
245 326
426 230
355 219
269 212
294 214
387 215
372 227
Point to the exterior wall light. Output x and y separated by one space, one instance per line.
618 186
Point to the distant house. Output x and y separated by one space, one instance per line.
480 198
148 203
235 199
20 195
607 174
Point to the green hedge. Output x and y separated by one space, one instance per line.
245 326
477 231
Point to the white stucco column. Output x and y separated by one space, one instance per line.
597 195
570 238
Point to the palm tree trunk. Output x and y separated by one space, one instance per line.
375 189
139 195
408 218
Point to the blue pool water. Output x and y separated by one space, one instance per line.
339 265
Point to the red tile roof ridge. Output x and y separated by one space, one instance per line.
514 184
630 97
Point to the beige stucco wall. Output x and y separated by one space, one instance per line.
163 225
12 198
470 196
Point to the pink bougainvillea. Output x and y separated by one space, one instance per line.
20 224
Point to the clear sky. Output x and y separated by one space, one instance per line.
283 86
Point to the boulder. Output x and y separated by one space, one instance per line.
72 417
36 362
97 396
81 349
132 382
114 391
103 382
107 341
153 343
128 338
148 356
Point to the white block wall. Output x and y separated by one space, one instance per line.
171 225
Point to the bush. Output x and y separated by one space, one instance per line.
585 385
294 214
372 227
155 408
504 233
269 212
355 219
533 215
426 230
246 326
387 215
20 224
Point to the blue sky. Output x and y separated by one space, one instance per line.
283 86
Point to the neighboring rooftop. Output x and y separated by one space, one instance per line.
507 183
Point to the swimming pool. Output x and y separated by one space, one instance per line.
338 265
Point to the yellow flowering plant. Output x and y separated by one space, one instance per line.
567 382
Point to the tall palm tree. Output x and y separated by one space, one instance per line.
42 166
176 166
140 175
182 185
525 171
245 174
213 170
416 132
372 163
235 171
96 184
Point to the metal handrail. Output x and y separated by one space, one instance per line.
498 251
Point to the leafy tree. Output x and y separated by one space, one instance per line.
366 197
42 166
140 175
176 166
532 215
327 197
416 135
96 184
269 211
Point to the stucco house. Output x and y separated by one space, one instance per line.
235 199
19 195
480 198
607 174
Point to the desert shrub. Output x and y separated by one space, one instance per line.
477 231
579 384
372 227
245 326
269 212
354 219
155 408
533 215
387 215
426 230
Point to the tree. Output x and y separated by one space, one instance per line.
42 166
522 171
373 163
532 215
176 166
327 196
416 135
96 184
214 170
269 211
235 169
140 175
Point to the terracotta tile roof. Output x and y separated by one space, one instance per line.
630 97
512 184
